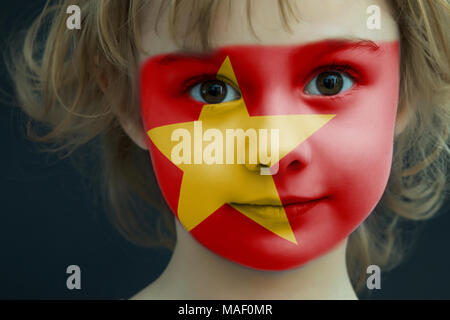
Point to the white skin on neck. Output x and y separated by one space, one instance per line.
195 272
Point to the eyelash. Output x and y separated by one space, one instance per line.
193 81
346 68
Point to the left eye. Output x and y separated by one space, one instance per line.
329 83
214 91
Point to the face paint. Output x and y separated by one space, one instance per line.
334 148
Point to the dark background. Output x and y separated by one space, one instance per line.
48 221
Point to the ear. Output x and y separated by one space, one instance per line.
402 120
134 131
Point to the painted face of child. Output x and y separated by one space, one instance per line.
272 152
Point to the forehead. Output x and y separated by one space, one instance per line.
317 20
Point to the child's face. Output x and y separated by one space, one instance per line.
329 90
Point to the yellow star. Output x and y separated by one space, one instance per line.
204 186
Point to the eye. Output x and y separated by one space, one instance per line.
329 83
214 91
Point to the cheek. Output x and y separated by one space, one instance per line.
359 156
167 175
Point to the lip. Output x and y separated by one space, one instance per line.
287 200
270 210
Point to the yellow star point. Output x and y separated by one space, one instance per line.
204 186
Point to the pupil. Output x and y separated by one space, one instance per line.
213 91
329 83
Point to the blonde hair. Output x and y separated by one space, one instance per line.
59 86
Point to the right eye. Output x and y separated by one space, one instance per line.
329 83
214 91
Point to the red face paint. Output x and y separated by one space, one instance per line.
328 184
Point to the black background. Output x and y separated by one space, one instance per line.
48 221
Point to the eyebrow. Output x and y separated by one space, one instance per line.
339 44
355 43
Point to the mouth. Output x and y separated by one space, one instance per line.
272 211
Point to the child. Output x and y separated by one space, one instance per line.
357 118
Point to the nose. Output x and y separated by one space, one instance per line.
275 96
290 161
263 169
296 160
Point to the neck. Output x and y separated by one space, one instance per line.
194 272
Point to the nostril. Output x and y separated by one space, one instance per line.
295 165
